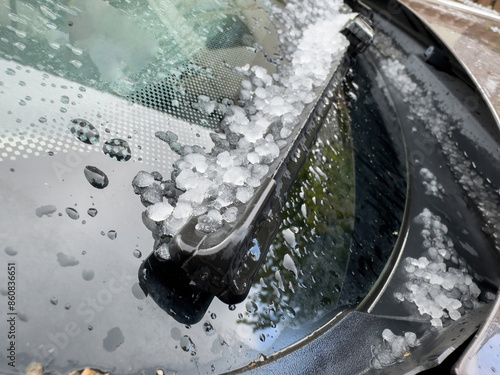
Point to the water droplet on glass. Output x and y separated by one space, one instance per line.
76 63
82 89
72 213
64 99
10 72
112 234
208 328
84 131
45 210
67 306
137 291
90 328
54 301
10 251
50 153
113 339
137 253
117 149
213 315
42 120
96 177
63 110
22 102
88 274
262 337
92 212
65 260
12 170
20 46
186 344
22 83
232 307
240 316
251 306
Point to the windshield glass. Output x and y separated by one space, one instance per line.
91 93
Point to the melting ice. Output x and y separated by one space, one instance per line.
214 185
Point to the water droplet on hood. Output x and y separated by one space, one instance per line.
117 149
54 301
96 177
112 234
92 212
84 131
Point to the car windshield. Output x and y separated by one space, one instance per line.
90 91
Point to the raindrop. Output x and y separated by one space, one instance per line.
10 72
67 306
76 63
88 274
117 149
65 260
50 153
208 328
232 307
137 291
54 301
20 46
290 312
262 337
186 344
22 102
112 234
42 120
12 170
96 177
63 110
92 212
72 213
137 253
251 306
45 210
84 131
113 339
90 328
213 315
240 316
10 251
64 99
82 89
22 83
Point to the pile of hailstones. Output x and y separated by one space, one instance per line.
438 290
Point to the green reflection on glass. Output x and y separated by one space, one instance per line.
119 45
317 223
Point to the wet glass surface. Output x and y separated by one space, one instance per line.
71 220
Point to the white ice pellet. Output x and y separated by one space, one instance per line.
230 215
388 335
143 179
438 290
159 211
244 194
313 47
